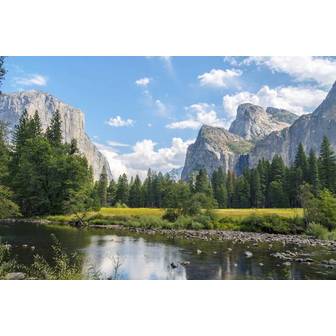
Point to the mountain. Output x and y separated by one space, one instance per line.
12 105
254 122
309 129
175 174
215 147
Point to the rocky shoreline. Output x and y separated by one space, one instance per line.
206 235
221 235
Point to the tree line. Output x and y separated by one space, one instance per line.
271 184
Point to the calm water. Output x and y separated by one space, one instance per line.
110 254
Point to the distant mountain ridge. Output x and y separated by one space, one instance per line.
255 126
73 123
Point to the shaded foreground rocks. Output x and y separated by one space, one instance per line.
234 236
15 276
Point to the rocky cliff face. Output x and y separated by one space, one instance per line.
214 147
309 129
12 105
254 122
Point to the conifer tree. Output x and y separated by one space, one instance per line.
54 130
122 189
301 162
102 188
327 166
313 176
202 184
111 193
135 195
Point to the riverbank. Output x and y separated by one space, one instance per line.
205 235
223 235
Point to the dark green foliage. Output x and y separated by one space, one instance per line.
135 193
272 224
313 173
111 193
122 190
327 166
218 183
102 188
202 184
54 131
46 176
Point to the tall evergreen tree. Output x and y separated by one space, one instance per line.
313 173
327 166
102 188
218 183
135 194
301 162
202 184
54 130
255 189
111 193
122 189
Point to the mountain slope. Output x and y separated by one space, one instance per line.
309 129
254 122
12 105
214 147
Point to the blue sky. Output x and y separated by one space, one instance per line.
145 111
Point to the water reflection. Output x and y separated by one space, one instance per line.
135 258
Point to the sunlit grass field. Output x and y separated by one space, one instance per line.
235 213
220 212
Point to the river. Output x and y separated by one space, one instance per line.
110 254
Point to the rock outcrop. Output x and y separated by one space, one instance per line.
12 105
253 122
309 129
214 147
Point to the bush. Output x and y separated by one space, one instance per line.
120 205
170 215
317 231
272 224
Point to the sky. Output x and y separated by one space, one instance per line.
143 112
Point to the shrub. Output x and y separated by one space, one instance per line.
170 215
317 231
271 224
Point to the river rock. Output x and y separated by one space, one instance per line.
199 251
15 276
185 263
248 254
173 265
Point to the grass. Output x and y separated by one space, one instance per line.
220 213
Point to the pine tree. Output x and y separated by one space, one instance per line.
36 125
135 195
218 183
241 197
54 130
255 189
102 188
301 162
313 174
202 184
230 187
122 190
327 166
111 193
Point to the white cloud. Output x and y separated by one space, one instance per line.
119 122
301 68
199 114
143 81
220 78
299 100
161 108
144 155
117 144
31 80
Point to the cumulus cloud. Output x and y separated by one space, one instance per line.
302 68
220 78
299 100
120 122
145 155
31 80
199 114
143 81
